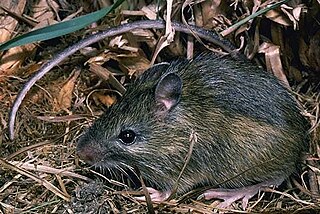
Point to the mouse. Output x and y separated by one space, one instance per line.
248 129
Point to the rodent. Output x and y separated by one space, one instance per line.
248 125
207 35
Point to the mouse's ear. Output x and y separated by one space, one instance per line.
168 92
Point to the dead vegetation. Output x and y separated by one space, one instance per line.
40 172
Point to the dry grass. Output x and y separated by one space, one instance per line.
39 171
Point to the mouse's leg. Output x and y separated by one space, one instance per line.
244 193
155 195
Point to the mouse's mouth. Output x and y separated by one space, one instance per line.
113 168
119 172
122 174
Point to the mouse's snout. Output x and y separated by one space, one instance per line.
88 150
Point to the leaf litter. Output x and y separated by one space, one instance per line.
40 172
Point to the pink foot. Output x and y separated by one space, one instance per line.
245 193
155 195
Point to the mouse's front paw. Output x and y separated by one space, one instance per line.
155 195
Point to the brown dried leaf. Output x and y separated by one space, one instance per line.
102 58
253 46
141 35
45 12
296 12
291 17
273 61
29 69
210 10
278 17
121 43
63 101
117 41
105 74
105 99
131 64
14 57
166 39
12 60
134 64
35 96
73 15
150 11
8 23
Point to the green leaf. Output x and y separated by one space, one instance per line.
252 16
59 29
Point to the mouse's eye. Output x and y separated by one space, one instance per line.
127 137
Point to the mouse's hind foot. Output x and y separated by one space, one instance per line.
244 193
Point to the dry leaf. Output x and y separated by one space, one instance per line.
210 9
102 58
28 70
166 39
296 12
119 42
12 60
44 13
273 61
278 17
133 65
105 74
8 24
150 11
105 99
14 57
74 15
141 35
63 101
291 17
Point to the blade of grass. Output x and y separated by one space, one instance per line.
59 29
252 16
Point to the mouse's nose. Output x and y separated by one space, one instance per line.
88 150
